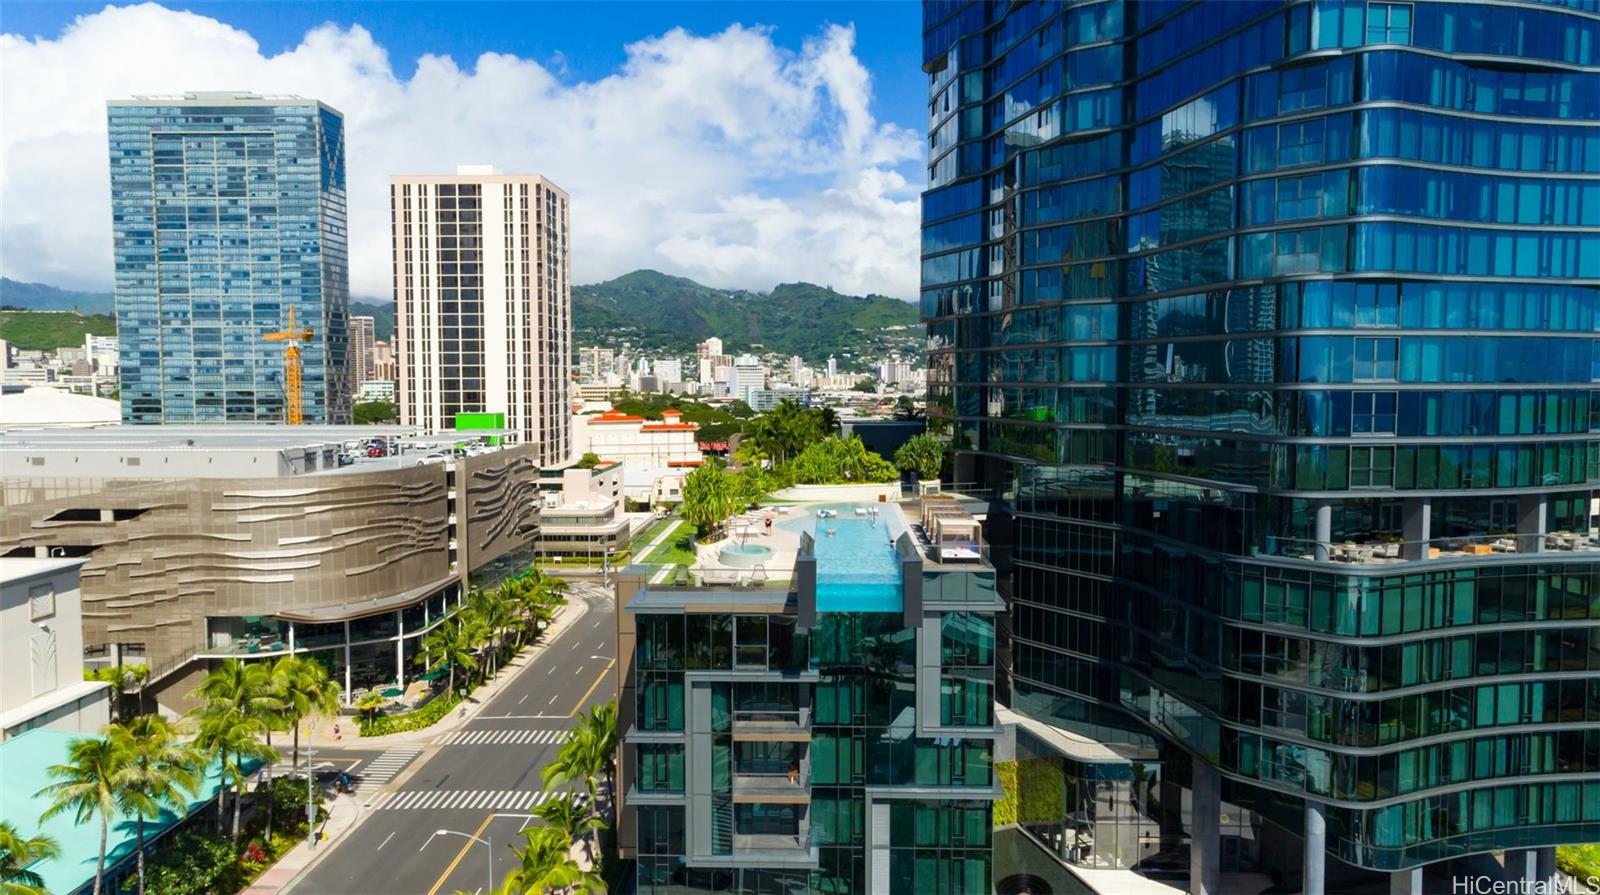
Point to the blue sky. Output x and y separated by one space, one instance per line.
588 36
807 165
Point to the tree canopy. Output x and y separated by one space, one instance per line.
922 454
369 412
840 461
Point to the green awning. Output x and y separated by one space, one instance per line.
435 674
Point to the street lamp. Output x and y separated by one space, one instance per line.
311 798
486 841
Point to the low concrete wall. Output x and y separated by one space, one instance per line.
878 492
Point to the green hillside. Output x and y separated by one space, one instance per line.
49 330
39 297
647 308
654 310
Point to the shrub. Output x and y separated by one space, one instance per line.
289 803
426 716
194 863
922 454
1581 862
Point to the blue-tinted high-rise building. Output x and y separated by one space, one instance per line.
228 209
1269 328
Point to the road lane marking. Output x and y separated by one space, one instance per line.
459 855
523 699
384 842
553 700
592 687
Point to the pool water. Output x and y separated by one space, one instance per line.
858 569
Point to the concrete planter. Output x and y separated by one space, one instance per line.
873 492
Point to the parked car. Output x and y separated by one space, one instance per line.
375 451
345 459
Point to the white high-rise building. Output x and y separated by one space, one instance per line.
595 364
669 370
833 367
363 333
711 347
483 293
747 374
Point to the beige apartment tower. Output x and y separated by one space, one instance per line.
363 331
483 303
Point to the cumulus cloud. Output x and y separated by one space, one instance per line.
722 157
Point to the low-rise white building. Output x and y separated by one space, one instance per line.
377 390
647 449
41 650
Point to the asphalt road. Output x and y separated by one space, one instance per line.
483 779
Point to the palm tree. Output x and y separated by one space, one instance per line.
243 701
88 785
122 679
16 853
545 864
601 722
574 823
496 613
369 703
303 686
229 735
708 497
161 771
246 686
580 758
449 646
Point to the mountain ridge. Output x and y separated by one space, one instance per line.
650 310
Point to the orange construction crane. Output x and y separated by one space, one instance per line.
291 367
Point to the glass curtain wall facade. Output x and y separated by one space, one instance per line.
227 211
1270 328
801 740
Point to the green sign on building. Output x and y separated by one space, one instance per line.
470 421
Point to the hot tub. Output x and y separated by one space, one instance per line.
744 556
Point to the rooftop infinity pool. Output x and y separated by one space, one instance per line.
858 569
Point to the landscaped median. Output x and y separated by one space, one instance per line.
427 716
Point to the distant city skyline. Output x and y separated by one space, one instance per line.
788 162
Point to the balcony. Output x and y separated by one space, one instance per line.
781 788
772 773
772 724
1388 550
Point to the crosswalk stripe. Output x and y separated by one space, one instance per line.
468 799
501 737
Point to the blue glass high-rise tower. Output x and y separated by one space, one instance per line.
228 209
1270 331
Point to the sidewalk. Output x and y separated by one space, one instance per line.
343 811
321 735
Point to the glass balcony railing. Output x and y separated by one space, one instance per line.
1394 549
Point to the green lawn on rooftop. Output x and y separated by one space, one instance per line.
655 529
677 549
